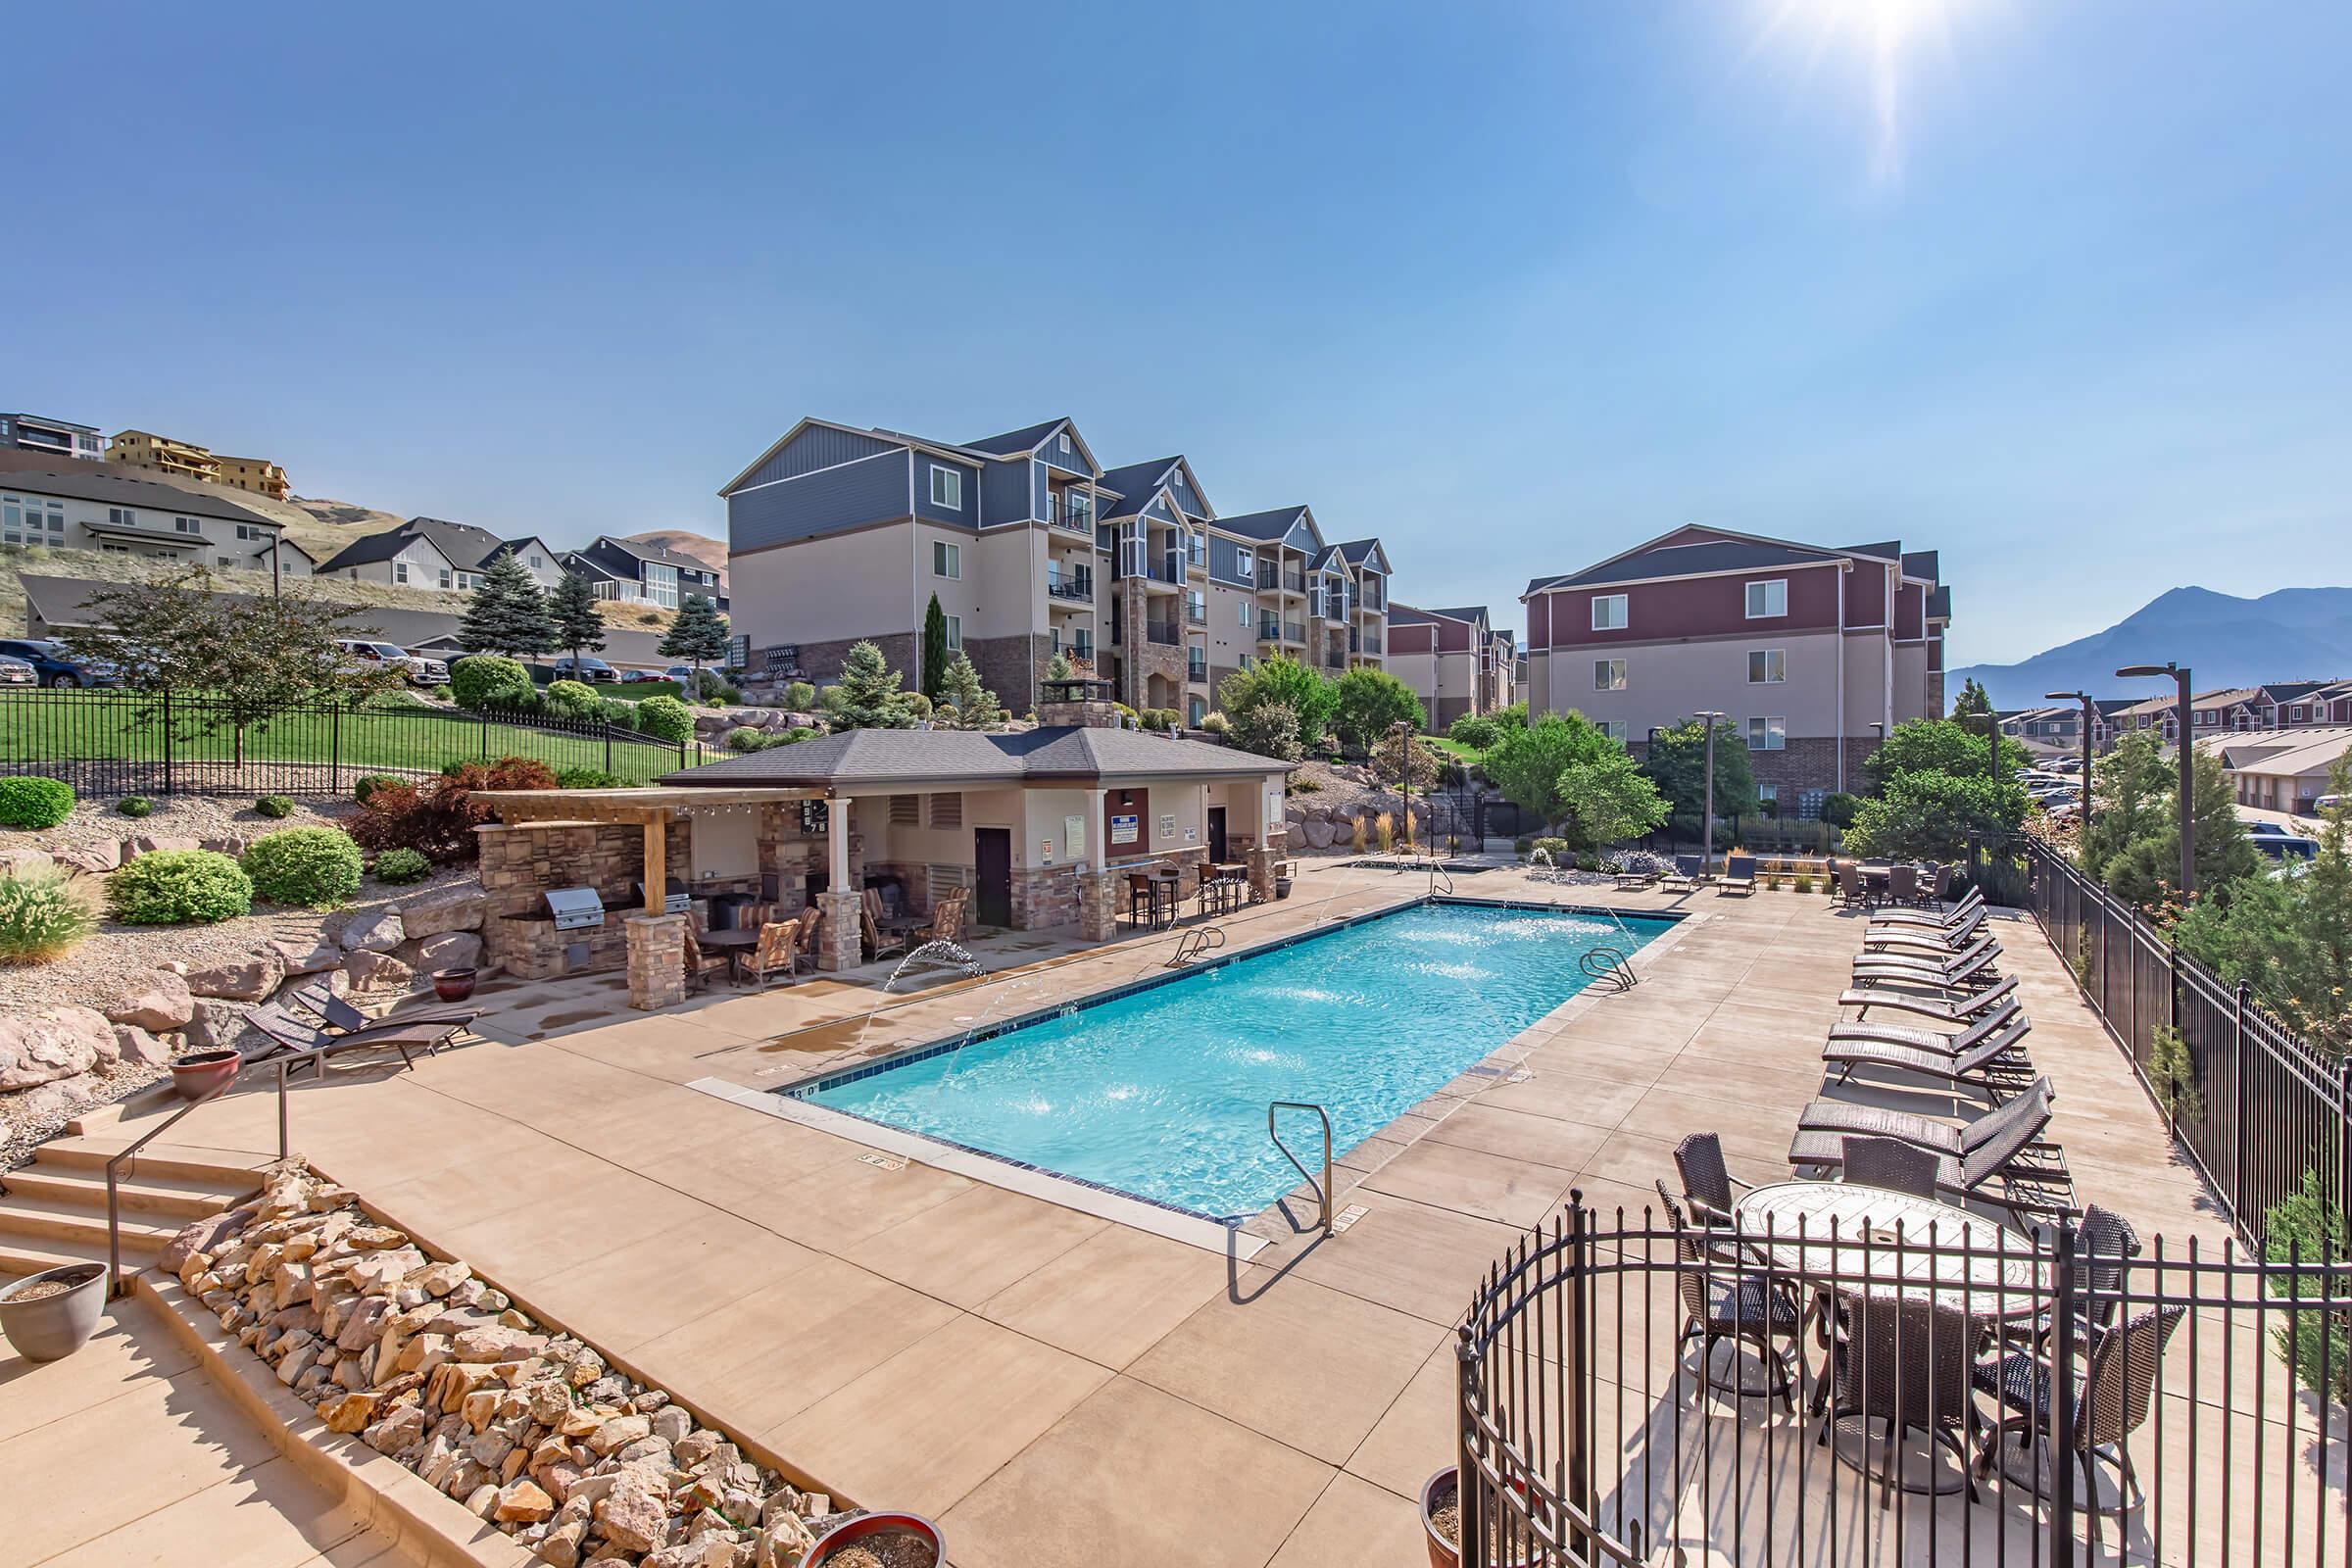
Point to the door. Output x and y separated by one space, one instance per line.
1217 835
992 875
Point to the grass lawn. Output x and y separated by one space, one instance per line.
101 726
1467 755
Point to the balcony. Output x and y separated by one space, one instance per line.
1196 665
1272 578
1075 587
1163 636
1074 512
1274 629
1195 614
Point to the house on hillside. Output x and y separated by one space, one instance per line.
435 553
2285 769
630 570
88 506
51 438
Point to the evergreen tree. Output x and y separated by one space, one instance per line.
1677 762
1058 666
1970 700
963 703
867 696
696 635
508 613
579 624
933 671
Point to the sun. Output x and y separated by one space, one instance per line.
1881 34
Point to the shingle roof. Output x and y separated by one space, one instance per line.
661 555
1135 481
1925 564
1470 613
1358 549
1884 550
1403 614
1691 559
914 756
372 548
1939 604
91 481
1014 442
466 547
1272 524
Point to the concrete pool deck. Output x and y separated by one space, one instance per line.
1058 1388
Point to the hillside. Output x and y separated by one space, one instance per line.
2290 634
712 553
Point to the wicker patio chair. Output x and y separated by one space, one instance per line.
2104 1246
1902 884
1707 1182
2112 1400
1896 1166
1725 1299
1995 1065
1905 1362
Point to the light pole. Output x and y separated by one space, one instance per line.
1706 820
2089 714
2188 842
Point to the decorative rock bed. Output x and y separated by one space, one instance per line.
431 1365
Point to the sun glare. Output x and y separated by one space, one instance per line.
1882 35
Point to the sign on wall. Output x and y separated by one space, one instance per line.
1125 828
1073 837
1168 825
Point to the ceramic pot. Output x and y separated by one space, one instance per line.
868 1525
205 1072
454 985
55 1326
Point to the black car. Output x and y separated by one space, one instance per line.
56 664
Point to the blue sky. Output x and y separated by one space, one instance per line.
1512 286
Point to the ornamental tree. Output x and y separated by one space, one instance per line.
1367 703
933 671
1608 799
867 696
1676 764
963 703
1526 765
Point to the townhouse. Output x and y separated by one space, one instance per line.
838 534
435 553
87 506
51 438
632 569
2281 770
1811 653
1454 660
2058 726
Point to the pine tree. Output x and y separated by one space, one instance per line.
1972 700
1058 666
580 625
696 635
934 669
867 696
965 703
508 613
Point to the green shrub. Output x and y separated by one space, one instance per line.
1474 730
179 887
484 680
402 866
443 693
369 783
800 697
744 738
1837 809
42 916
585 778
1304 784
316 867
616 712
1522 846
2306 1228
276 807
1804 882
1557 849
135 805
665 718
1213 723
573 699
797 734
31 802
916 704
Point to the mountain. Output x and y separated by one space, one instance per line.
2290 634
702 547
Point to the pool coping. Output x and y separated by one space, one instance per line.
1231 1236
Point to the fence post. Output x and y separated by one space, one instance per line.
2062 1403
1465 1462
2343 1138
608 749
2238 1082
682 750
167 740
1578 1422
334 747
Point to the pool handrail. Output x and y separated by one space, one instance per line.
1322 1188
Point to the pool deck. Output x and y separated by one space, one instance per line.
1055 1386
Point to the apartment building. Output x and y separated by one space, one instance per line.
630 569
51 438
257 475
1809 651
2058 726
435 553
838 534
1454 660
140 449
84 506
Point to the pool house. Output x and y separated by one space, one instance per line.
1037 829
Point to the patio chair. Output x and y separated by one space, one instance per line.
1936 885
1687 874
1902 884
947 920
778 951
699 964
1905 1362
1852 892
812 919
290 1036
1954 1013
879 944
1927 942
1635 881
2104 1245
1972 1033
1896 1167
1994 1064
339 1014
1707 1182
1962 970
1729 1301
1941 920
2112 1400
1739 875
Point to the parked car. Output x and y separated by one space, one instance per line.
2261 829
589 670
2290 850
54 665
17 672
2329 802
633 676
416 668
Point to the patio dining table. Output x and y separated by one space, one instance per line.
738 943
1850 1238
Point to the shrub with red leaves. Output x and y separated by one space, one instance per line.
438 820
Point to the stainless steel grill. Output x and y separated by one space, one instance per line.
576 909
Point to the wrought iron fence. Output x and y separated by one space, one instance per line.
105 742
2254 1105
1635 1389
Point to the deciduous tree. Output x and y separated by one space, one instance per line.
1366 703
1526 765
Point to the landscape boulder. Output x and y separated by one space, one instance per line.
247 979
151 842
231 844
57 1041
460 908
300 957
26 862
91 860
379 932
140 1048
378 971
217 1025
153 999
450 950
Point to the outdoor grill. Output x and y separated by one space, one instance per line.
576 909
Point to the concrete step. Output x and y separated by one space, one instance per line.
21 1255
176 1198
232 1170
42 1221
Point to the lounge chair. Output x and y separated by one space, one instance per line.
2004 1163
340 1016
1635 881
1985 1026
289 1035
1960 970
1954 1013
1930 919
1994 1064
1687 875
778 952
1739 875
1918 939
1840 1118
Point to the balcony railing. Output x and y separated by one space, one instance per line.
1195 668
1078 589
1195 614
1165 636
1076 515
1161 571
1271 628
1271 577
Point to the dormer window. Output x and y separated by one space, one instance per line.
947 488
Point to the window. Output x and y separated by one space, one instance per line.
2295 714
248 533
122 516
954 633
538 562
1768 734
1768 798
445 577
186 526
1613 728
1767 666
400 571
1243 607
1061 443
1609 612
947 560
661 585
115 550
1608 674
1766 599
225 564
1245 562
947 488
21 521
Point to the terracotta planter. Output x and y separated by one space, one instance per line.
1435 1493
205 1072
55 1326
876 1524
454 985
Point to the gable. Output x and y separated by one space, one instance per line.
808 446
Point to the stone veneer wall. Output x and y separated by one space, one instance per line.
821 662
1043 897
521 861
1142 657
1011 666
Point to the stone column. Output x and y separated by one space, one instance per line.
838 940
1261 872
657 960
1097 906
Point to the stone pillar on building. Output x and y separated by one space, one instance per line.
657 960
1261 872
838 939
1097 906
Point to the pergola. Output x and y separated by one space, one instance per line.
653 807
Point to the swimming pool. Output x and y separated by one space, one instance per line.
1161 1091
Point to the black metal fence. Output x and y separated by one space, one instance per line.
2254 1105
1634 1391
105 742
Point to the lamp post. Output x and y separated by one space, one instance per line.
1706 820
2188 843
2089 714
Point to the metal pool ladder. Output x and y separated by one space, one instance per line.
1323 1187
1199 940
1608 964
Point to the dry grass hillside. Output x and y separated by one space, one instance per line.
712 553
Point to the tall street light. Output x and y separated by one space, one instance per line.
2089 715
2188 843
1706 821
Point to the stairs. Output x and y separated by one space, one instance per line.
53 1210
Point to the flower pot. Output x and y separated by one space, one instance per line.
56 1325
205 1072
1282 887
1435 1493
454 985
864 1526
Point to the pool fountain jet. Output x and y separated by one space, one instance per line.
941 955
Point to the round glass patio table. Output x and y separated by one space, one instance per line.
1842 1236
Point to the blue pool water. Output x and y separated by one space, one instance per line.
1162 1093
